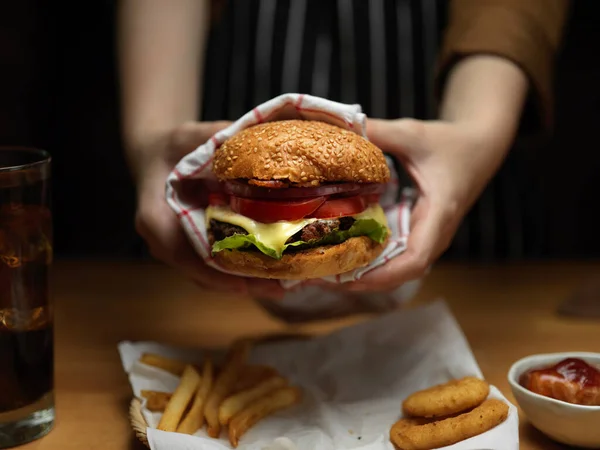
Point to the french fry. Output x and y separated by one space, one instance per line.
156 401
261 408
224 385
194 418
180 399
162 362
251 375
237 402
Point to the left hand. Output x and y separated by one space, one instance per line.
450 164
157 223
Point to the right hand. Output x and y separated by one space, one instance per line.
157 223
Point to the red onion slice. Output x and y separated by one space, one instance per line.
244 190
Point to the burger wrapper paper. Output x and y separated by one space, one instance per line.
354 381
198 165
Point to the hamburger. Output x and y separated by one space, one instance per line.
297 199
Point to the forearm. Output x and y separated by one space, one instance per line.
160 48
486 94
528 33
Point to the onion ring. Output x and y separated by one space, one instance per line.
424 434
446 399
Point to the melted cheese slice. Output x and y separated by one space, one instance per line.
274 235
374 212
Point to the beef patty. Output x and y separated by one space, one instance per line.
315 230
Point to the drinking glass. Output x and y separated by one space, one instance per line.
26 332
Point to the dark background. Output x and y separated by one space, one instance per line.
58 90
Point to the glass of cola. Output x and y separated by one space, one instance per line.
26 331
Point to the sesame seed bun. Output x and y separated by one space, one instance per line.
302 152
305 264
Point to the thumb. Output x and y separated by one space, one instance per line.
398 137
425 243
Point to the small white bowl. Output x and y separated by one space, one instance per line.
567 423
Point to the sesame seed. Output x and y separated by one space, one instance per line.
235 157
228 158
304 179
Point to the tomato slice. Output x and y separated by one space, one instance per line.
218 199
372 198
340 207
271 211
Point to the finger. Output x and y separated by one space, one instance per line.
397 137
266 289
167 242
426 241
328 285
196 269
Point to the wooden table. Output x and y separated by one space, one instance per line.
506 313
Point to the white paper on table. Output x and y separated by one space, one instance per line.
354 382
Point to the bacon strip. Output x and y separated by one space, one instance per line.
271 184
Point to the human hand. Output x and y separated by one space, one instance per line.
157 223
450 163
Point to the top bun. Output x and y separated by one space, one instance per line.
302 152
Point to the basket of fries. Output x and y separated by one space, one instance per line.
235 396
138 423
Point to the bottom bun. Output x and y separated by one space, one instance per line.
315 262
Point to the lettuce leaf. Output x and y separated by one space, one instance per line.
362 227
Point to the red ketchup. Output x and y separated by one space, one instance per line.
572 380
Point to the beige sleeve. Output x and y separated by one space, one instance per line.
527 32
